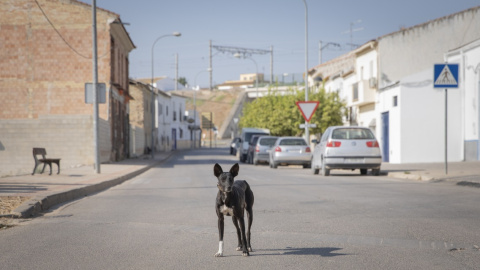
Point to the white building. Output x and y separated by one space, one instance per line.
410 111
468 56
353 76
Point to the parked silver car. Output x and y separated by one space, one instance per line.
347 148
290 150
262 149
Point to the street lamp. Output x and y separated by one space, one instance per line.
175 34
238 55
306 66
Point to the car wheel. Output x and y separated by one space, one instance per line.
314 170
376 172
363 171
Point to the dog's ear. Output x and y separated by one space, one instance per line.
217 170
234 170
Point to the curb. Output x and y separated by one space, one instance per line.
405 175
40 204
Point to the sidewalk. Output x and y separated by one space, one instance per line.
461 173
45 191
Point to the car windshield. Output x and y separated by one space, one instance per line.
293 142
352 134
268 141
248 136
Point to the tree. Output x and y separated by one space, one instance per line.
281 115
182 81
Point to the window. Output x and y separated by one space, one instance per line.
352 134
355 91
292 142
395 101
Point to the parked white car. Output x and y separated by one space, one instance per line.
290 150
347 148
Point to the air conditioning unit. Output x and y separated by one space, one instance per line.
373 82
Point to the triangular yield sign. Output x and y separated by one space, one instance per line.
307 108
446 77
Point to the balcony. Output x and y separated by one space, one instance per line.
363 92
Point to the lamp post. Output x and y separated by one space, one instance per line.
307 135
175 34
195 106
237 55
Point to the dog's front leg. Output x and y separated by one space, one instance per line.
220 235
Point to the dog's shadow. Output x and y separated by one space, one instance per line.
323 251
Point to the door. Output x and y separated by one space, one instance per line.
174 139
385 137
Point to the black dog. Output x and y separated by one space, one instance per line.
232 198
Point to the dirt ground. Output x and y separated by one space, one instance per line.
218 102
9 203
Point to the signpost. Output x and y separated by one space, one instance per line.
445 76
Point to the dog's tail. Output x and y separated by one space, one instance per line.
249 196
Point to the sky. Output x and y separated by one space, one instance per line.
259 24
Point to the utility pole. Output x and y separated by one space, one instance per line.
210 67
176 71
271 64
95 82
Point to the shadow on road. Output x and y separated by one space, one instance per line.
324 251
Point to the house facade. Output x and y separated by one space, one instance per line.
141 114
468 56
410 111
47 59
387 85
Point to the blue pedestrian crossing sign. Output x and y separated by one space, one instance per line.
445 76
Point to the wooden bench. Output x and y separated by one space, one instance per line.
44 160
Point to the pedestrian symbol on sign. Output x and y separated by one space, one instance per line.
446 77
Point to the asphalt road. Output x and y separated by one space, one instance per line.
165 219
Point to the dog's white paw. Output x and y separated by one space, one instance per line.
220 249
239 248
250 249
245 254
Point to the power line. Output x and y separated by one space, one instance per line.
60 35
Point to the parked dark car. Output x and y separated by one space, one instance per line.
234 145
251 148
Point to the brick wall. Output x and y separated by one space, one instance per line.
42 81
40 74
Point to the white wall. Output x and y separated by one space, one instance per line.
417 125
